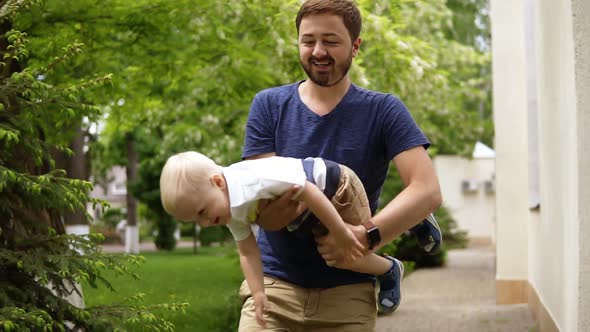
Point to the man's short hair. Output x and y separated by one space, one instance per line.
345 9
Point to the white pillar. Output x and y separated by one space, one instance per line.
132 239
74 298
511 126
78 229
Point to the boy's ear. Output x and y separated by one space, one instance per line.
218 180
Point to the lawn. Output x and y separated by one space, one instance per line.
209 281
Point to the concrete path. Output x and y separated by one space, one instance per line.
459 297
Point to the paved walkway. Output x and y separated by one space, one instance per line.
459 297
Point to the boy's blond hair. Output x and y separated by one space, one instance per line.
185 174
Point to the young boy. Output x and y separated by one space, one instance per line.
195 189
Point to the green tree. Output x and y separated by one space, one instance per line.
40 265
186 72
406 52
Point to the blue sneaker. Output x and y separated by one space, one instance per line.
428 234
390 298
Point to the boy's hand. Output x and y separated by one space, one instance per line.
342 248
261 305
278 213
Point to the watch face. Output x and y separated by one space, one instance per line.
374 237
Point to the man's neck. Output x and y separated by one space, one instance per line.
309 90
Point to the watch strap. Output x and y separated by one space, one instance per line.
369 225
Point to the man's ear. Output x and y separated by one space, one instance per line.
356 47
218 181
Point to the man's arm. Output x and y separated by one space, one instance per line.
420 197
260 156
278 213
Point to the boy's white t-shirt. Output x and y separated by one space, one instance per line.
252 180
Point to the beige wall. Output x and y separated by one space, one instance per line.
510 120
554 239
474 211
558 258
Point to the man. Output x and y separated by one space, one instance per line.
329 117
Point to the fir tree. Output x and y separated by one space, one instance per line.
40 265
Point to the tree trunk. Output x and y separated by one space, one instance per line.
12 226
76 166
132 232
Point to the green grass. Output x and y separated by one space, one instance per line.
208 281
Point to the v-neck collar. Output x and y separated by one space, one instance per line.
329 114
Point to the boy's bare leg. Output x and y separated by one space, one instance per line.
369 264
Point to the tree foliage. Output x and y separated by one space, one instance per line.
186 71
40 265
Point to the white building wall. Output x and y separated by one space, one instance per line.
554 237
558 258
474 211
510 118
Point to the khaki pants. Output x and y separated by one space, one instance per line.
348 308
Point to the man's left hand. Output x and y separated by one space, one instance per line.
328 246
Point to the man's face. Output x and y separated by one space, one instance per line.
325 49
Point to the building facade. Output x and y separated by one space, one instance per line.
541 77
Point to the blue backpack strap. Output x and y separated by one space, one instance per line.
332 181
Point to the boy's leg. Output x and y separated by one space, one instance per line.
352 204
389 287
350 199
389 272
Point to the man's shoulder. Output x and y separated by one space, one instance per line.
277 91
375 101
361 92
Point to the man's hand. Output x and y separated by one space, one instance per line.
329 247
278 213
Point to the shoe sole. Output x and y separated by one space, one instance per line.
401 268
432 221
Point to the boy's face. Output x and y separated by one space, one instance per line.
210 207
325 48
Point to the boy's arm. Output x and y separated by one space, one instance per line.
251 264
349 248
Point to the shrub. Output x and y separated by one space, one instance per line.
112 216
210 235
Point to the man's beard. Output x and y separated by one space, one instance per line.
323 78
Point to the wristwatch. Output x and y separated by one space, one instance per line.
373 235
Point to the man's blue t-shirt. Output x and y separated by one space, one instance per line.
365 131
